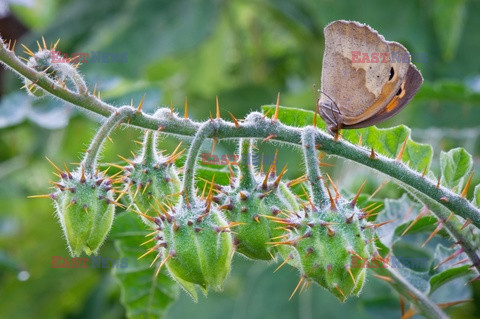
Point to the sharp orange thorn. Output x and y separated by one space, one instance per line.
420 215
203 192
98 95
354 200
138 142
27 50
176 148
296 288
378 189
140 105
210 196
44 43
55 45
409 314
360 142
438 183
256 218
269 137
332 202
136 192
467 185
467 222
453 303
402 306
402 150
154 260
38 45
461 262
26 60
150 218
152 233
274 164
55 166
372 154
337 194
315 117
280 237
145 187
449 217
67 170
351 275
424 171
455 254
261 164
82 178
116 166
340 291
279 177
298 180
217 106
265 180
378 225
277 108
185 114
127 160
151 250
214 144
437 229
353 252
266 113
407 215
94 89
148 241
40 196
326 165
235 121
385 278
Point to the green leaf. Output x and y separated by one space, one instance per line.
476 195
449 18
143 294
455 165
448 271
387 141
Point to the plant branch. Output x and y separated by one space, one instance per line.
90 160
423 305
247 176
259 127
188 185
318 192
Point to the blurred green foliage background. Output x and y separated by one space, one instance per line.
244 52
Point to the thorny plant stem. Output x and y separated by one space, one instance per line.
90 160
318 193
259 128
423 305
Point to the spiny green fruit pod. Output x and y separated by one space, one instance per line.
195 244
85 207
329 246
152 177
62 71
253 197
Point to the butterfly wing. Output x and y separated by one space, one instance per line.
357 80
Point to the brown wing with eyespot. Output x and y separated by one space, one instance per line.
405 93
360 90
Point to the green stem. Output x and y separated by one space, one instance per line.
452 225
247 175
318 192
90 160
423 305
188 185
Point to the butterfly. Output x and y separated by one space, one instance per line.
365 79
